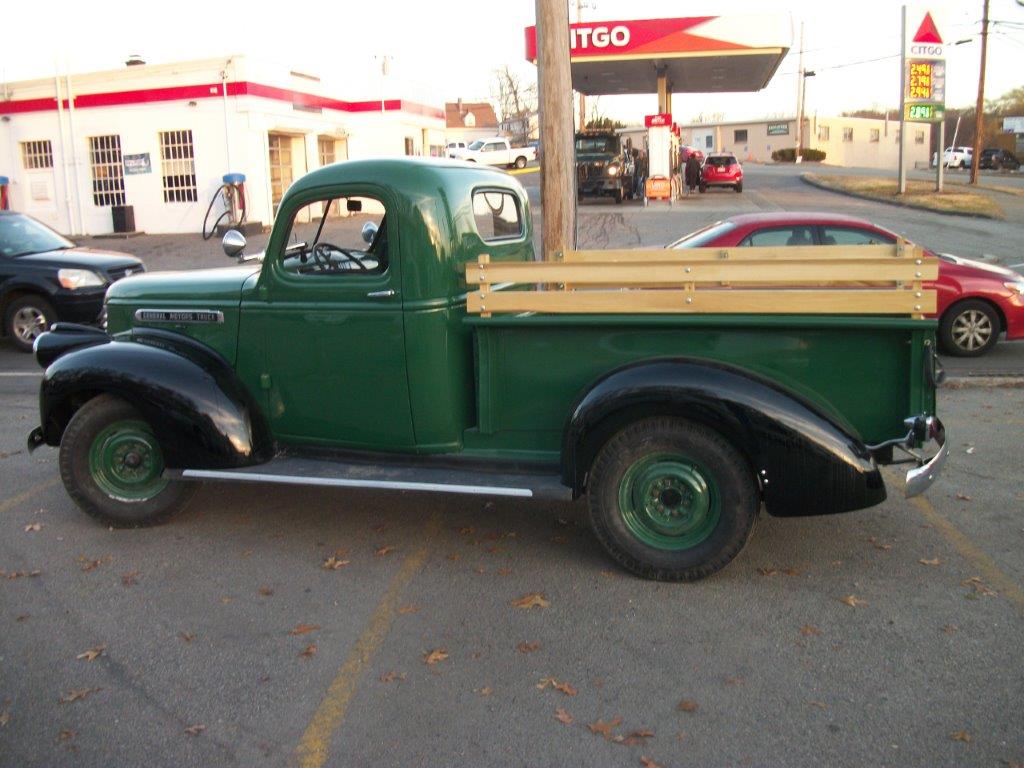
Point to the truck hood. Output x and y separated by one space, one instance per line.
213 285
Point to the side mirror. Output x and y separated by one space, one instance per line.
369 232
233 243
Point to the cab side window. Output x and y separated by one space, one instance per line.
339 236
497 215
779 236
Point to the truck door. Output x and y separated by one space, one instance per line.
333 325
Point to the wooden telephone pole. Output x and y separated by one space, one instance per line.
558 158
979 113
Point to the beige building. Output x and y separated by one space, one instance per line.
846 141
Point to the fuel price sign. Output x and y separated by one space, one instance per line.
925 95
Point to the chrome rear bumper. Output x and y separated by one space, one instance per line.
921 430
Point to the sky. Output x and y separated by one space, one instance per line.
445 50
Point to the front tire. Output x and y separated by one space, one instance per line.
671 500
27 318
112 467
969 328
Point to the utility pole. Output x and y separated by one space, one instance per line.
979 113
800 81
583 98
902 136
557 168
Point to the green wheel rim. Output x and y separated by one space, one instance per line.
126 463
669 501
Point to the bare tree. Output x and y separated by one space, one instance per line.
517 103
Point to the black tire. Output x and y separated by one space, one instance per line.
75 446
739 186
520 162
703 188
619 194
969 328
729 474
26 318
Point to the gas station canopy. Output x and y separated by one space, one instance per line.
702 54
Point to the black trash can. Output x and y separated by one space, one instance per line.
124 218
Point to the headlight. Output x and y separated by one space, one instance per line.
73 279
1017 286
613 169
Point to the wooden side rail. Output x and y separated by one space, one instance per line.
875 279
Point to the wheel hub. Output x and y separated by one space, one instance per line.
972 330
28 323
126 462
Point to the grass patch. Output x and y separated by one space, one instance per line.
920 194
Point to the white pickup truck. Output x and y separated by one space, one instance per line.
495 151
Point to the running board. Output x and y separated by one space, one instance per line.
290 470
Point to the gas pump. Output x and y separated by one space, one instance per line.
5 202
659 157
232 196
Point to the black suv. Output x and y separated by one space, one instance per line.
997 159
45 278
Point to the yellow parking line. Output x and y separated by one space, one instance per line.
26 495
316 741
518 171
967 549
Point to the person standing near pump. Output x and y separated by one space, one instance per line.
691 172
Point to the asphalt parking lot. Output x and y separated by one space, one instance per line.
886 637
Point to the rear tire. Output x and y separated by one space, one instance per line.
969 328
703 188
26 318
520 162
739 186
671 500
111 466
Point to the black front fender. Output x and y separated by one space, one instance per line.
202 415
806 461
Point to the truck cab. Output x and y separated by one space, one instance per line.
605 166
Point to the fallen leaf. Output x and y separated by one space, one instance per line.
246 552
949 629
226 600
433 657
188 637
66 735
31 527
504 571
454 556
688 705
409 609
484 691
20 574
77 694
649 763
308 652
633 738
195 730
332 563
129 578
532 600
962 496
768 571
304 629
5 718
853 601
734 680
879 545
933 561
809 630
970 450
564 687
562 716
266 591
92 654
89 565
963 736
467 531
603 728
792 571
609 574
381 551
390 677
975 583
23 617
528 647
560 539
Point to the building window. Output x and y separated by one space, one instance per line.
410 147
739 136
847 134
325 147
280 151
36 154
874 135
707 142
178 167
107 170
823 133
919 137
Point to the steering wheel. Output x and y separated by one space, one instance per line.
322 256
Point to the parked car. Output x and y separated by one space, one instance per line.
387 375
685 152
453 145
45 278
721 169
955 157
976 302
495 151
998 159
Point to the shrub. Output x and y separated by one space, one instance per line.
789 155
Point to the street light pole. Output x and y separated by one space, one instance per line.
800 92
979 113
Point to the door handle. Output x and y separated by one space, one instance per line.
381 294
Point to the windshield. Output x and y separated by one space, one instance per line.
20 235
476 144
597 145
703 236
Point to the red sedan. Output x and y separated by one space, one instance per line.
721 169
976 301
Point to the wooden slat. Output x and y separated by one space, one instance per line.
786 301
782 253
817 271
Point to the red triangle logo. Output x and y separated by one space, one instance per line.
927 33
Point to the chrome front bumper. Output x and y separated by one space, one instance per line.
921 430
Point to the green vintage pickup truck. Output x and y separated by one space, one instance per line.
370 348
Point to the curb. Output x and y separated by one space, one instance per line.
859 196
984 382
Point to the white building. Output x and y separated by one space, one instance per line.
161 137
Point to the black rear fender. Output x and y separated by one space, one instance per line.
805 461
202 415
